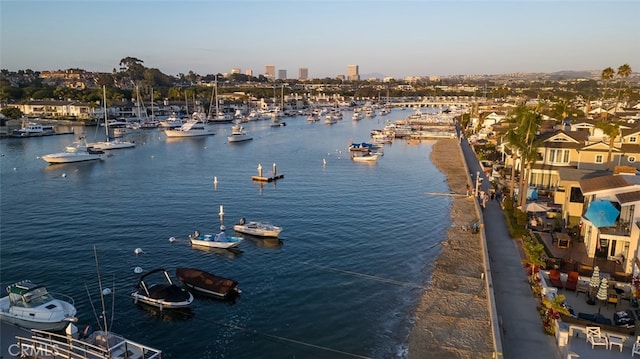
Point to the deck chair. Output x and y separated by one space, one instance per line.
595 337
572 281
636 347
554 278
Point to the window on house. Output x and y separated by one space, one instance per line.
558 156
633 139
631 159
599 159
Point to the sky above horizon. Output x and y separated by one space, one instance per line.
392 38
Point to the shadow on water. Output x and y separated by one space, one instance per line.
166 315
272 243
224 252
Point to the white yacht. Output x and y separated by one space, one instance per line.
193 128
238 134
76 152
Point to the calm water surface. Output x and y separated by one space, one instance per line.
356 251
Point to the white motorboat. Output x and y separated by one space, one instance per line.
31 306
76 152
192 128
366 157
238 134
257 228
109 144
165 295
220 240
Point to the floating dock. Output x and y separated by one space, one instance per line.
266 179
261 178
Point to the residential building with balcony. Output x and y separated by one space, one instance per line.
618 241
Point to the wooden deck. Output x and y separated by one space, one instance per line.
574 258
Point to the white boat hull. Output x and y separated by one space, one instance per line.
161 303
191 133
229 243
41 317
68 157
111 145
258 229
239 138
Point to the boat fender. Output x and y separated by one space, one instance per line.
86 331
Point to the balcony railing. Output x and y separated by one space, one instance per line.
618 229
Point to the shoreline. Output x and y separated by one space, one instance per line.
452 319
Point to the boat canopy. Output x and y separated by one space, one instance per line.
25 293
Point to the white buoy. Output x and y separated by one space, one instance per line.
324 162
137 270
106 291
172 239
138 251
64 175
215 180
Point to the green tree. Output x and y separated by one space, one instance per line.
13 113
611 130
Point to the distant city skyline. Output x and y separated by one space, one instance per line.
393 38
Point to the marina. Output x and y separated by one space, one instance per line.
328 287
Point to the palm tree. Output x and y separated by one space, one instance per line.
607 74
624 71
522 140
611 130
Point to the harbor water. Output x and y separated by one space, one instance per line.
343 281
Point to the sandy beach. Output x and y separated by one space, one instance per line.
452 319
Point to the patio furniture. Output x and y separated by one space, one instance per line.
613 298
617 340
572 281
554 278
582 287
595 338
563 240
636 347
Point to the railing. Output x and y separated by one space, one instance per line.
44 344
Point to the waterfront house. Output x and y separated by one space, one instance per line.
619 241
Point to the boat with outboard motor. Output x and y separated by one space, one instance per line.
31 306
257 228
220 240
164 295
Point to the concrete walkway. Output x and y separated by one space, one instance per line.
520 325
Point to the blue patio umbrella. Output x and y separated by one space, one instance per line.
602 213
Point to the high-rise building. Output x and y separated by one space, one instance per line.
303 73
236 70
352 73
270 72
249 72
282 74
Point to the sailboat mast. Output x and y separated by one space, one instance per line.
104 316
217 102
104 109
